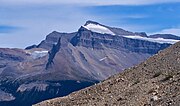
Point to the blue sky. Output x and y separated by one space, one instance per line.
24 23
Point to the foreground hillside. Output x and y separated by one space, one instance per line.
154 82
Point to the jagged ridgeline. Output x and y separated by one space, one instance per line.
66 62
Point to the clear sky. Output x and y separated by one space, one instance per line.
23 23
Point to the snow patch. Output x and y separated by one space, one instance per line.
39 54
103 58
158 40
98 28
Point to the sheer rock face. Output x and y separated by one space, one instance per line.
90 39
77 60
53 52
154 82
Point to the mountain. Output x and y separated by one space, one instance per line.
155 82
165 36
66 62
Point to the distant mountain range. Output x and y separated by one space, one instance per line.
155 82
66 62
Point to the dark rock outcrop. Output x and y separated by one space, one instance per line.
165 36
31 47
53 52
143 34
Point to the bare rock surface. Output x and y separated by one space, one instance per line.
155 82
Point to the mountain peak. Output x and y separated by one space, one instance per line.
98 28
91 22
